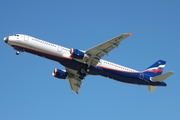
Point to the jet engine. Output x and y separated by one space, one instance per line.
77 54
59 74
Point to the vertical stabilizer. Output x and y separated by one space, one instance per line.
155 69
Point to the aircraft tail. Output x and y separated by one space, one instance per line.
155 72
155 69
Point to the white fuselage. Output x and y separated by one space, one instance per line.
35 44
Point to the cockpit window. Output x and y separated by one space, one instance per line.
16 35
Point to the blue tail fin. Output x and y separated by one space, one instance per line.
156 68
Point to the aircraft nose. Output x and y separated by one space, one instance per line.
6 39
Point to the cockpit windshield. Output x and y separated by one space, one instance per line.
16 35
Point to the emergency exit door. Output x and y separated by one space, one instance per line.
26 38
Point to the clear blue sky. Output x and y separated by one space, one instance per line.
29 92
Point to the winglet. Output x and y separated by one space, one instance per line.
130 34
77 92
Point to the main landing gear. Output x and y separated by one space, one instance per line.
83 72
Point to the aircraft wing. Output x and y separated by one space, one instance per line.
74 80
97 52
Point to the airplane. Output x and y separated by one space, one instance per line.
79 63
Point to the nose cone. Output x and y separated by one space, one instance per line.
6 39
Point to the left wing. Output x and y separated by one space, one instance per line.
74 80
97 52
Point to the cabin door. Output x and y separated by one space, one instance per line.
26 38
59 49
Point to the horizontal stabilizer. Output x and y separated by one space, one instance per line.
152 88
162 77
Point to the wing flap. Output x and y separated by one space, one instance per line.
75 84
74 80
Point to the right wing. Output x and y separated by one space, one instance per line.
97 52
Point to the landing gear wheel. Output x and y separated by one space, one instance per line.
17 52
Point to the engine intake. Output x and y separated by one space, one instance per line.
59 74
77 54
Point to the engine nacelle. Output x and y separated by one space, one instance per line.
59 74
77 54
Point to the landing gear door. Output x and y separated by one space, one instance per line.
59 49
141 75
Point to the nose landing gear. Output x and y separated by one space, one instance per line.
17 52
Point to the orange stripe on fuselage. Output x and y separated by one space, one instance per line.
116 69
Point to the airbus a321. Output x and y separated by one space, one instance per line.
78 63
